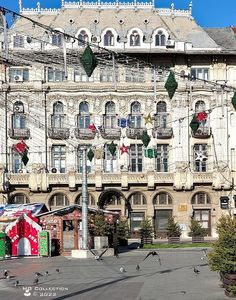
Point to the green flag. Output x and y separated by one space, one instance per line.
171 85
145 139
194 124
90 154
25 158
150 153
112 148
88 61
234 101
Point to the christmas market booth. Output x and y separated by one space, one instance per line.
19 229
64 226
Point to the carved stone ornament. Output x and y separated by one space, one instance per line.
182 167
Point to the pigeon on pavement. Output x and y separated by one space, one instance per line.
153 253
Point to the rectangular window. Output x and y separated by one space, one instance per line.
16 162
55 75
201 73
134 75
59 158
18 75
200 157
18 121
18 41
83 121
110 161
110 122
135 220
161 219
81 76
57 40
162 158
136 158
57 121
135 121
80 160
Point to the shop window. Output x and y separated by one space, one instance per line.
135 220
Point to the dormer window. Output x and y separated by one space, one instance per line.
108 38
56 39
134 38
18 41
160 38
83 38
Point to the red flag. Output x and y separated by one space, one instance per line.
202 116
92 127
21 147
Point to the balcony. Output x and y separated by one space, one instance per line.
163 133
111 133
203 132
58 133
84 133
133 133
19 133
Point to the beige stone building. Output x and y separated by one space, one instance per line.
49 102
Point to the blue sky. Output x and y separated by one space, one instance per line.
207 13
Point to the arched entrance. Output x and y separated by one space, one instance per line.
24 247
111 199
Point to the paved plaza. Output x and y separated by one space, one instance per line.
88 279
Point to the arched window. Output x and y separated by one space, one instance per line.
134 38
18 117
162 199
135 117
57 119
108 38
200 106
110 119
58 200
160 39
201 198
161 115
18 41
91 200
19 199
57 39
84 115
83 38
137 199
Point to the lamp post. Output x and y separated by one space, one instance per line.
84 199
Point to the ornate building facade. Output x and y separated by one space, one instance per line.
49 103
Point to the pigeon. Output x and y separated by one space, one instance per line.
122 270
98 257
153 253
16 283
204 255
6 274
37 274
57 270
196 271
46 273
137 267
36 281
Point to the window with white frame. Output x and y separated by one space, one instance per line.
201 198
134 38
162 158
57 118
57 39
108 38
136 158
200 157
110 118
161 117
162 199
83 38
17 164
160 38
137 199
80 159
110 161
16 74
201 73
134 75
91 200
58 200
59 158
55 74
81 76
18 41
19 199
83 120
135 116
106 74
18 116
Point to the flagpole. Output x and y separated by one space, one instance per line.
84 199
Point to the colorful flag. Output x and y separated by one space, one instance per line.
150 153
124 149
201 117
22 149
122 122
92 127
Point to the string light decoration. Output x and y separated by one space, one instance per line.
171 84
145 139
89 61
